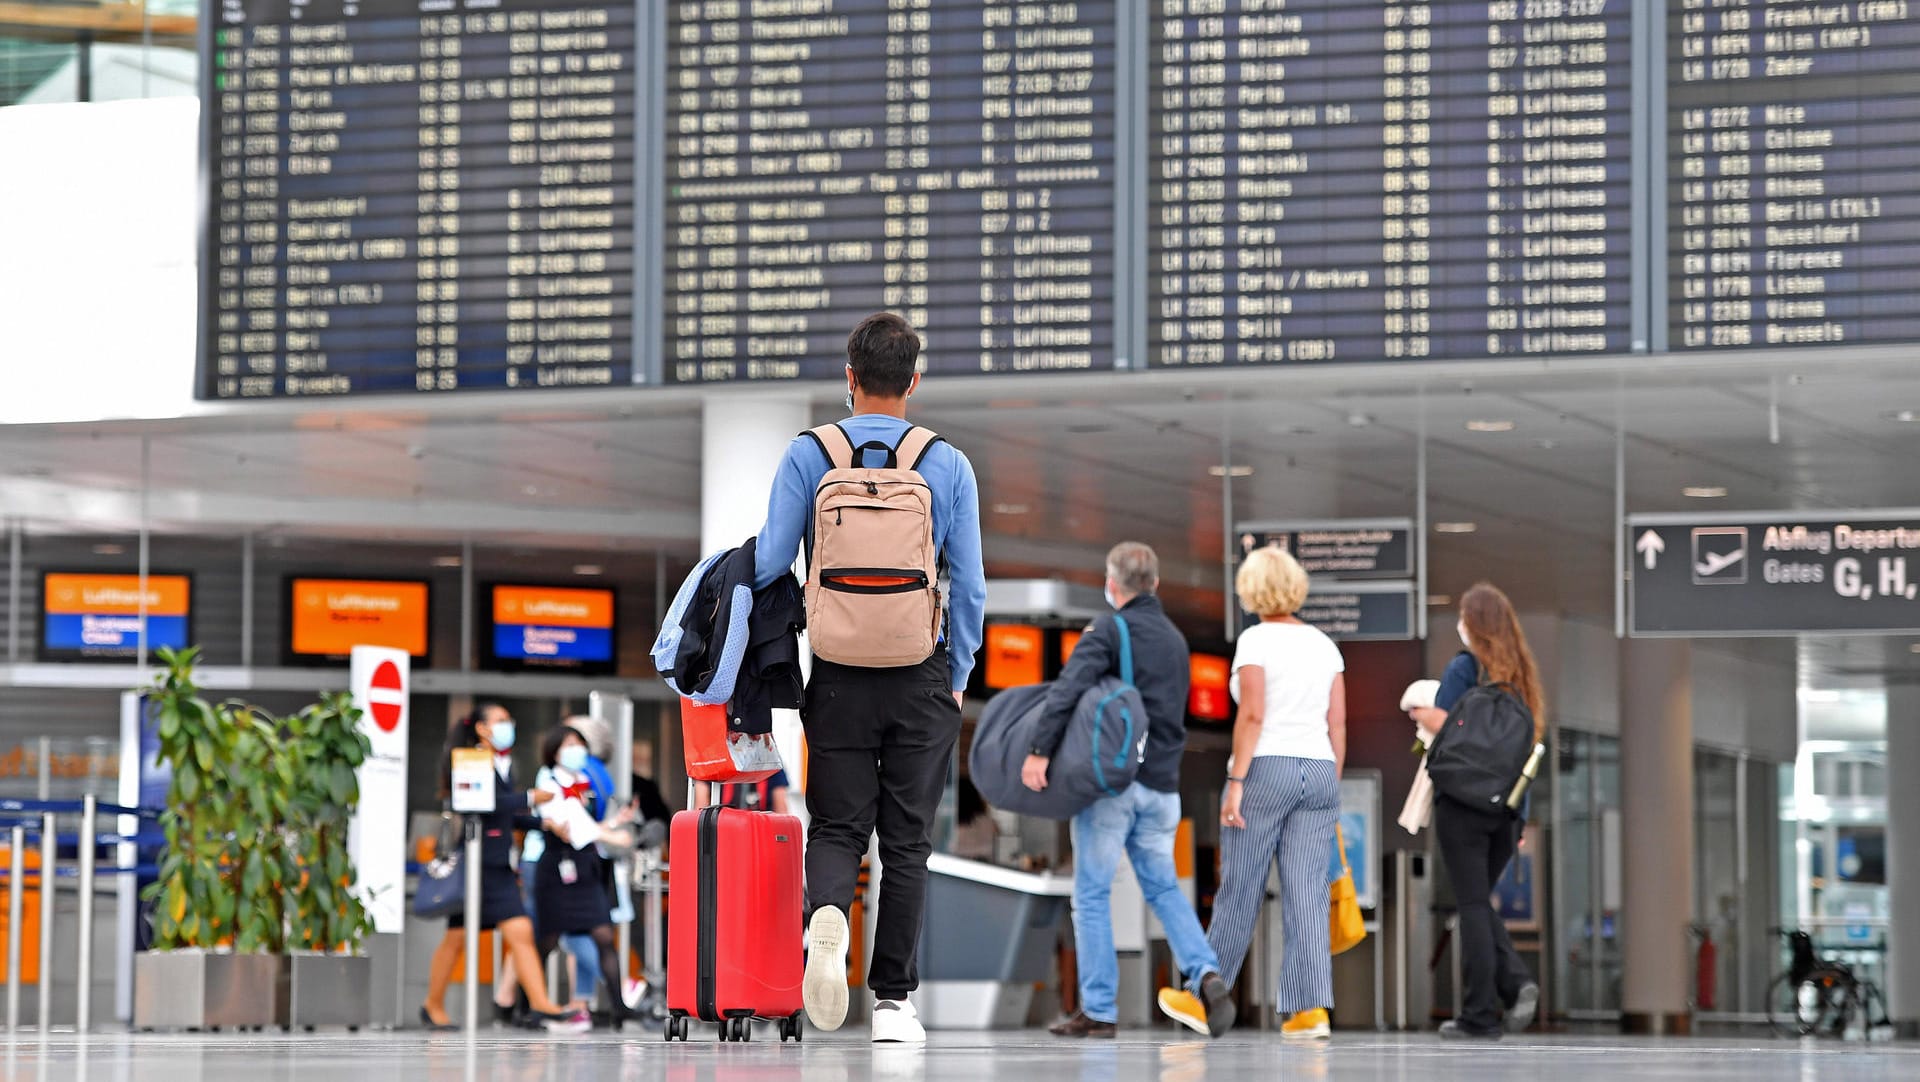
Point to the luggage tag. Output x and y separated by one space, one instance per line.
569 874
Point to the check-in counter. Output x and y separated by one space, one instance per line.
988 940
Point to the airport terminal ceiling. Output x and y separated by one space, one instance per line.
1523 456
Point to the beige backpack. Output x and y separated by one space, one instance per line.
873 591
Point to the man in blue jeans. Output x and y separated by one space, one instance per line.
1139 823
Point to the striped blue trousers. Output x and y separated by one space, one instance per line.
1289 806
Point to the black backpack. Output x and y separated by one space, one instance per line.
1480 752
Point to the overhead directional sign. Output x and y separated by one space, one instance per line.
1361 611
1356 611
1775 574
1354 548
1361 571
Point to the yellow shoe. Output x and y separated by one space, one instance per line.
1185 1008
1307 1026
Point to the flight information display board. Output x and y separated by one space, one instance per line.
950 161
1357 180
1793 166
417 195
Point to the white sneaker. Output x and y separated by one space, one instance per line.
824 988
573 1022
896 1022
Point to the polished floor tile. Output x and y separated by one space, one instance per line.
496 1056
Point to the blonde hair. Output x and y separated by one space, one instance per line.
1271 583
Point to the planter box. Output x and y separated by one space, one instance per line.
197 989
329 990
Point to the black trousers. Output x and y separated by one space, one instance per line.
879 745
1476 846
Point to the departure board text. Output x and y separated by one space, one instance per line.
417 195
1362 180
1793 172
951 161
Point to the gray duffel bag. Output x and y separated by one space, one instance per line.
1098 757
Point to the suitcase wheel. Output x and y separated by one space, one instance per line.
742 1029
790 1029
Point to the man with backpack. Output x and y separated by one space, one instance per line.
883 509
1140 821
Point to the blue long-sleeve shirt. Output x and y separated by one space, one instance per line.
956 525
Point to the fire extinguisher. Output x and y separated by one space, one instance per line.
1706 970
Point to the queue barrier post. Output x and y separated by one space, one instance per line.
472 904
89 822
49 857
16 897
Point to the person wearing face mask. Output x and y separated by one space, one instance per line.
880 738
1475 843
1140 822
570 882
491 727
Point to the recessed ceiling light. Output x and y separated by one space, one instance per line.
446 561
1905 417
109 550
588 569
1359 420
1490 426
1230 471
1703 492
1439 601
530 490
1546 445
1455 527
1011 509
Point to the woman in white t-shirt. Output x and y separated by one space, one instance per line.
1283 788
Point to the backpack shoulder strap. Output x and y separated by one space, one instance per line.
913 447
834 444
1126 649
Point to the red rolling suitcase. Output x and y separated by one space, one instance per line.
733 922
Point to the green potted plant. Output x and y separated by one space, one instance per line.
331 980
217 934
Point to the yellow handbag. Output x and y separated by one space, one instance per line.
1344 922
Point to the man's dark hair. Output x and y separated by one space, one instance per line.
884 352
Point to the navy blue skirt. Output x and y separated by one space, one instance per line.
499 899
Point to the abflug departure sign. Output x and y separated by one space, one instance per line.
1772 575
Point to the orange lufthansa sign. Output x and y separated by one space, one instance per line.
552 606
1209 699
115 595
332 616
1016 654
95 615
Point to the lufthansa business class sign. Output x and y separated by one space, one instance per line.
1773 574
